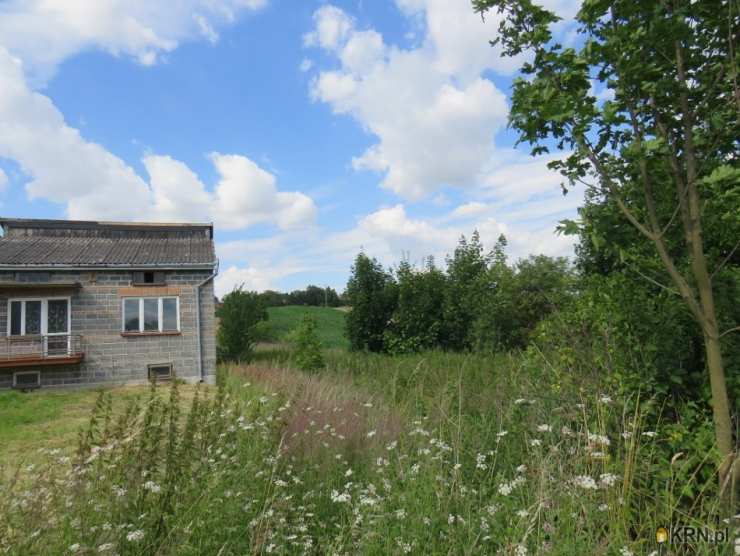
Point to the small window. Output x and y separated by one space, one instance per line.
26 380
149 278
160 371
169 314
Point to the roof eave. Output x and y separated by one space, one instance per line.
166 266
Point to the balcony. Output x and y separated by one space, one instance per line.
25 351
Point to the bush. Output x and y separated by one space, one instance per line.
306 345
372 293
238 316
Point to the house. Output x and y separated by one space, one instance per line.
105 302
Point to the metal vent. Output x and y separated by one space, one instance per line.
160 371
26 380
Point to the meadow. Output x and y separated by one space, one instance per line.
433 453
329 324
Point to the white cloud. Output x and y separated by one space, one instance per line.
64 168
247 195
93 183
306 65
432 112
332 26
45 32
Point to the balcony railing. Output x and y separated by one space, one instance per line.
57 349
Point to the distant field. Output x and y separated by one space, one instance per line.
330 323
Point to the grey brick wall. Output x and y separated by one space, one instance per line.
111 357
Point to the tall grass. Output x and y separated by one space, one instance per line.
427 454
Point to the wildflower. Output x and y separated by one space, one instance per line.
457 466
650 434
585 482
627 435
519 401
520 550
280 483
522 513
624 551
492 509
599 439
608 479
535 442
135 536
119 492
603 507
505 489
544 428
605 399
392 445
450 519
340 498
74 547
502 434
415 469
371 434
348 473
367 404
521 469
480 461
152 487
105 547
400 514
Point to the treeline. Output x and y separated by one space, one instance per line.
312 295
478 301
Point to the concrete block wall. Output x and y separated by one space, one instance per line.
110 356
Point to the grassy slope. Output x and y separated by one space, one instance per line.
330 323
51 419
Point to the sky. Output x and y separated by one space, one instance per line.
305 131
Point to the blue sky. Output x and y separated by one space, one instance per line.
305 131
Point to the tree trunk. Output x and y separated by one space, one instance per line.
729 470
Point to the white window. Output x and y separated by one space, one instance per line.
151 314
48 316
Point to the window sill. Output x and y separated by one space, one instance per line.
139 334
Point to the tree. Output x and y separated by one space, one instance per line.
466 271
417 320
371 293
239 314
663 150
307 345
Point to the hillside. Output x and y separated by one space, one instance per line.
330 322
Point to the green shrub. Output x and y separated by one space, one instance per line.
239 315
306 345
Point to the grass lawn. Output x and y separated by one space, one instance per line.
51 419
330 323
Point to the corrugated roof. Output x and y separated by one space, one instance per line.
196 250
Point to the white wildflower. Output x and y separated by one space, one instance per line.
520 550
105 547
400 513
535 442
520 401
340 497
599 439
650 434
521 469
135 536
348 473
371 434
522 513
152 486
608 479
585 482
624 551
605 399
544 428
74 547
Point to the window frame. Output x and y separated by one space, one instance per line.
160 314
44 315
